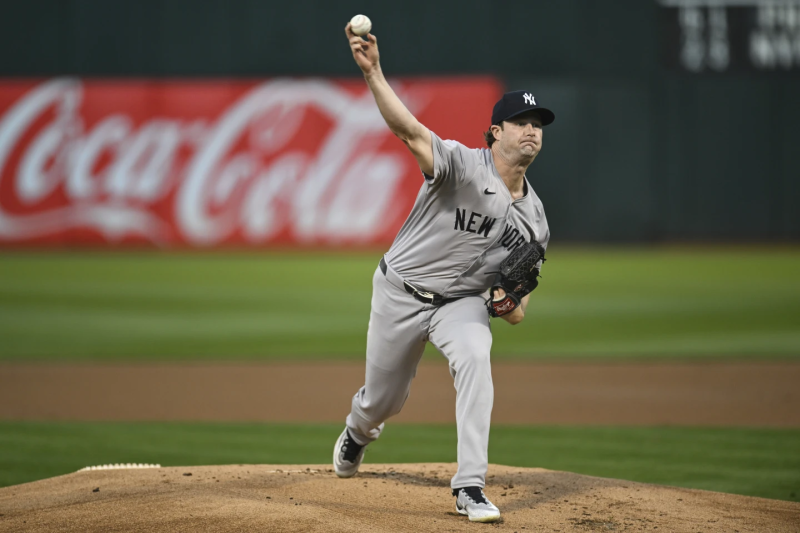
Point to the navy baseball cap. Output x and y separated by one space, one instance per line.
518 102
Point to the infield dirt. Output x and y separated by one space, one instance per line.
402 497
705 393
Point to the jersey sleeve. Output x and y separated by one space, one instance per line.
453 163
544 242
544 228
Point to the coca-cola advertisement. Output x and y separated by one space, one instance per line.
280 162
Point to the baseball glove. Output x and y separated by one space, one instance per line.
517 276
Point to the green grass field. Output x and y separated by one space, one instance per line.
756 462
626 302
637 303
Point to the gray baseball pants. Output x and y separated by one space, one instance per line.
399 327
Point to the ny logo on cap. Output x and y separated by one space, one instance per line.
529 99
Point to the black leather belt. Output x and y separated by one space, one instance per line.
421 295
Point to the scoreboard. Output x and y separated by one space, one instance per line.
730 36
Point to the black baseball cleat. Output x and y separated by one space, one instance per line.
472 502
347 455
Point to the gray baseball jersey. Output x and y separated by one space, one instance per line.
464 222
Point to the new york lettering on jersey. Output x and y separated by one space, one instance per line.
510 239
485 225
463 223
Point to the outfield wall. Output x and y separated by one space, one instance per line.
277 162
641 151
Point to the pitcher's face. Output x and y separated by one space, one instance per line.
522 135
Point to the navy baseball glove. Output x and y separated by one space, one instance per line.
517 276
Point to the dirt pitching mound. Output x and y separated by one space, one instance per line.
399 497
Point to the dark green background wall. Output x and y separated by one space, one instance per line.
637 152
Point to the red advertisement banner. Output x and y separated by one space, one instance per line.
278 162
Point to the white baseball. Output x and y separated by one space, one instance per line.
360 24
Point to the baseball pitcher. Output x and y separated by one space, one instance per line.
471 249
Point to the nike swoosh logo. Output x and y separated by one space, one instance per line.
487 191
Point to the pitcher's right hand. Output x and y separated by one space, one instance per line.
364 52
